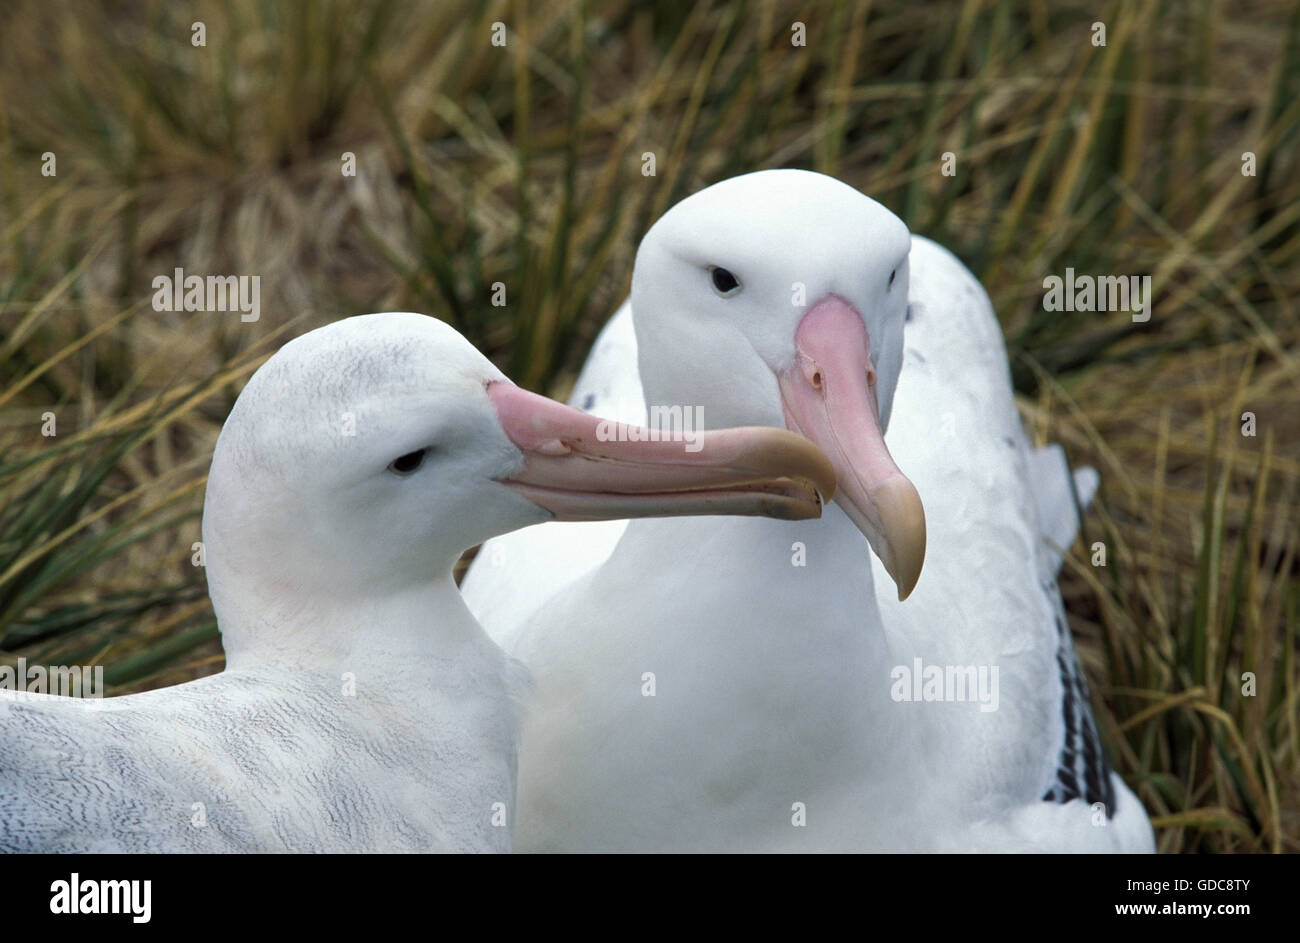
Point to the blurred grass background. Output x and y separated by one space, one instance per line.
523 165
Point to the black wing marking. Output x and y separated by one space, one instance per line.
1082 770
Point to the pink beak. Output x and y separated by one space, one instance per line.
829 394
581 468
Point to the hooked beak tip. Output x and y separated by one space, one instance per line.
902 519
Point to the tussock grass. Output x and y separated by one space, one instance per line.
523 165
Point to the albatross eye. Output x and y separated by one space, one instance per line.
724 283
407 463
891 278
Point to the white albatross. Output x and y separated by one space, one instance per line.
362 708
771 704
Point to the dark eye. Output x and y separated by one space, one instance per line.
724 283
408 462
891 277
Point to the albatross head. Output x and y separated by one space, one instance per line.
366 455
778 298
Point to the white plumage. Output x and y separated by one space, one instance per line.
325 571
362 707
999 514
772 681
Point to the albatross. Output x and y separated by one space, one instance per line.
677 710
362 708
